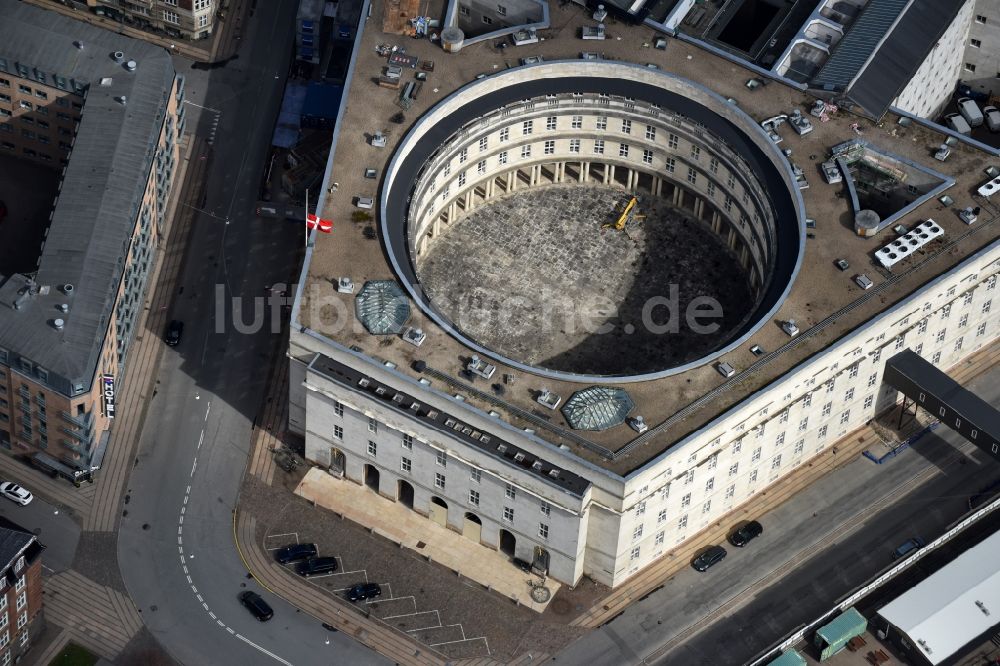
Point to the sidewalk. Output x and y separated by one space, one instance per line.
392 520
845 451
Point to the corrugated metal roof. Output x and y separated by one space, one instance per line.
897 60
852 52
103 184
941 614
848 623
790 658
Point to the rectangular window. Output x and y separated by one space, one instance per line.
405 464
442 459
695 152
510 492
986 306
372 425
713 165
686 500
650 133
710 485
682 522
803 424
525 151
22 600
477 475
706 507
505 134
626 126
484 143
463 155
545 509
635 553
550 147
662 517
543 531
672 140
602 123
647 156
671 164
637 533
502 157
692 176
599 146
980 19
711 189
776 462
622 150
550 123
474 497
408 442
439 480
756 455
827 408
508 514
338 432
821 433
845 417
171 17
481 167
372 448
574 145
576 122
527 127
640 508
733 469
849 394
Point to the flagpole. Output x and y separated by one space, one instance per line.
307 218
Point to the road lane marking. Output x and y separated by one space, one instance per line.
201 439
267 652
208 409
194 466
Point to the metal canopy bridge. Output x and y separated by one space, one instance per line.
923 385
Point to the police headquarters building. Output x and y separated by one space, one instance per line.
96 119
495 350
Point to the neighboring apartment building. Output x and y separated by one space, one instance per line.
182 19
981 65
20 590
107 110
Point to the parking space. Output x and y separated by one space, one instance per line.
421 598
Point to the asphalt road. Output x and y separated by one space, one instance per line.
54 527
176 548
750 600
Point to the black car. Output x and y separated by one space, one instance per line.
295 552
363 591
174 331
316 566
709 558
746 534
256 605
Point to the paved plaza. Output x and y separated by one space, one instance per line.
535 276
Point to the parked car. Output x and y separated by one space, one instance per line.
908 547
256 605
316 566
174 331
992 118
709 558
363 591
970 111
957 123
746 534
295 552
15 493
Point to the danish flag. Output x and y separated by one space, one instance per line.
316 222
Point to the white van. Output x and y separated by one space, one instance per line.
992 118
970 111
957 123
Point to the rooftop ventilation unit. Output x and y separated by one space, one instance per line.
68 289
414 336
58 324
106 81
121 99
63 307
119 56
78 44
990 187
131 65
908 243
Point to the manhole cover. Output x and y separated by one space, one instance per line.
560 606
541 594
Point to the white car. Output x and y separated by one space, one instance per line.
15 493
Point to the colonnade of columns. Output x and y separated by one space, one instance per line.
603 173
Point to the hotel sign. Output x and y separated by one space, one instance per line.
108 395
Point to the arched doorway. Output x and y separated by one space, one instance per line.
540 562
508 544
472 527
337 462
371 477
404 493
439 511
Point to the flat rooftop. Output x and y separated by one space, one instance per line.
820 290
